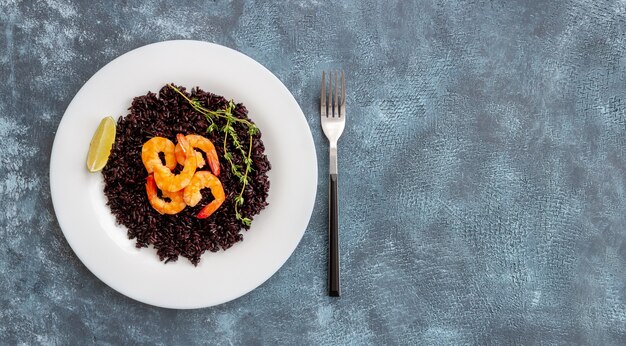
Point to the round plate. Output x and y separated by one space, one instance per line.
104 247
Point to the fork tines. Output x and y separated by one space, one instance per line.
335 107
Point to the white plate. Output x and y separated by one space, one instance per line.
103 246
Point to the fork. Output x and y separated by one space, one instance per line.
333 119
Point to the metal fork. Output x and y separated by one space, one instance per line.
333 119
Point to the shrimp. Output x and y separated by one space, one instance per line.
175 205
199 159
168 181
204 144
192 195
150 153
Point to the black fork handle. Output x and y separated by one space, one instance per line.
334 289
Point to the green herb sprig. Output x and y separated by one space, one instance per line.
229 132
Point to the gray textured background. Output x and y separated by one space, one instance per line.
484 171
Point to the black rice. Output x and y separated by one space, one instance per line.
183 234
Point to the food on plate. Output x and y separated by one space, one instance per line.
181 191
174 204
151 150
204 144
192 195
187 172
167 180
100 146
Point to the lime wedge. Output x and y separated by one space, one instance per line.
100 146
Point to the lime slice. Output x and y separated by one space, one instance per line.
100 146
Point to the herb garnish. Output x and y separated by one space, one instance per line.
229 132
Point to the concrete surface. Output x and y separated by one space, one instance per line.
483 180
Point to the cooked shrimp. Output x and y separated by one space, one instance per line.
150 153
175 205
199 159
204 144
168 181
192 194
